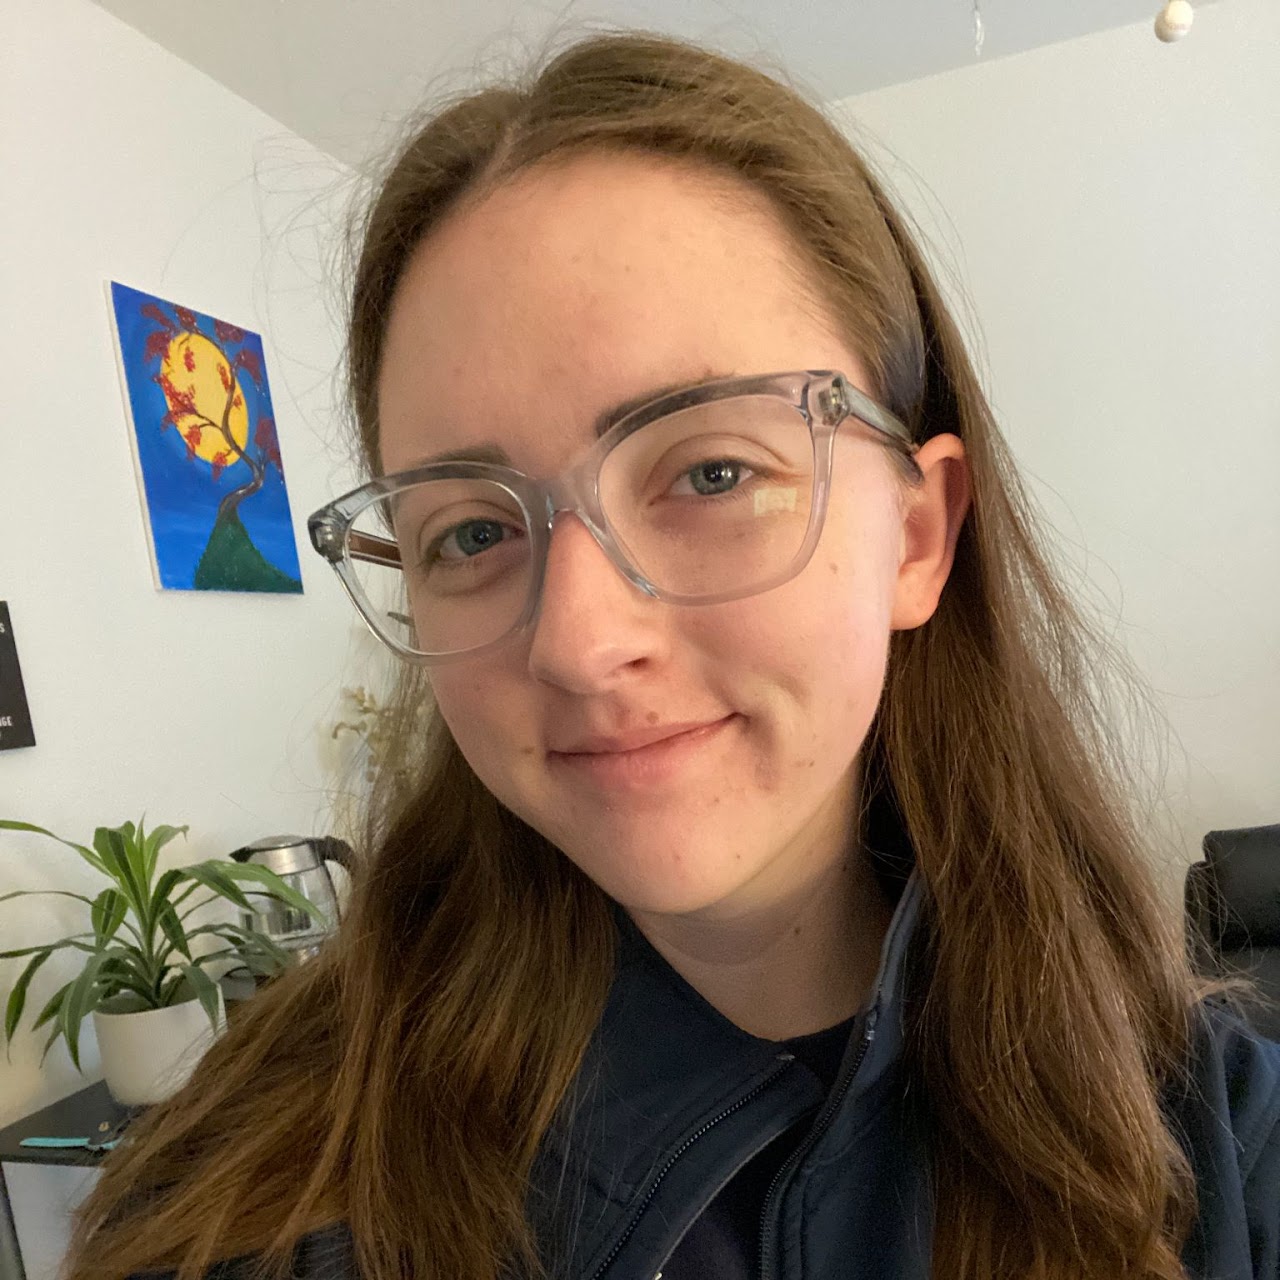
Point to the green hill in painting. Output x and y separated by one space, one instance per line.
232 563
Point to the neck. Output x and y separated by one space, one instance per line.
783 965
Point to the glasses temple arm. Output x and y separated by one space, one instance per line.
364 546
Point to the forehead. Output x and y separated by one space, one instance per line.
535 310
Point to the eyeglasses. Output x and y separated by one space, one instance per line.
703 495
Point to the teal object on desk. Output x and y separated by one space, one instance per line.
68 1142
108 1136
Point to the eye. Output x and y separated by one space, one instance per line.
712 477
467 540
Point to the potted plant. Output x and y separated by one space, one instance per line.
148 994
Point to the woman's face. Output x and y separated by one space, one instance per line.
518 323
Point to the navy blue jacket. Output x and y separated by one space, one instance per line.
674 1099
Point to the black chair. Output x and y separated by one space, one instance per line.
1233 915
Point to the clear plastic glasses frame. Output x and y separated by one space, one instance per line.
824 398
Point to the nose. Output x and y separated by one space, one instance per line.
593 626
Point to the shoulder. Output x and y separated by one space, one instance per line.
1240 1069
1226 1115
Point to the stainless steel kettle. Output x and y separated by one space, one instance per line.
300 862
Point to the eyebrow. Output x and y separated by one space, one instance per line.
494 453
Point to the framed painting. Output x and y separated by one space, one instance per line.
204 440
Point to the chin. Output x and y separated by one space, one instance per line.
664 880
664 900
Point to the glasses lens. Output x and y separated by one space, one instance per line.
465 567
713 499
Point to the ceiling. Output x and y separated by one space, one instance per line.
338 72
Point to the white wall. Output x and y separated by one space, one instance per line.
1110 206
120 161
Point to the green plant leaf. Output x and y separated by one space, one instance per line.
126 1002
52 946
242 954
129 956
107 912
79 897
164 887
261 965
80 1001
155 842
124 958
247 939
87 854
18 997
213 876
172 983
206 990
195 906
115 856
256 951
172 926
131 838
273 885
61 893
118 975
48 1044
179 979
51 1009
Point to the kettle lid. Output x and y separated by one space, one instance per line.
281 854
269 842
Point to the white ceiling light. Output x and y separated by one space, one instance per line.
1174 20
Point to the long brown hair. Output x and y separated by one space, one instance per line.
401 1082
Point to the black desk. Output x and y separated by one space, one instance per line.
81 1115
77 1116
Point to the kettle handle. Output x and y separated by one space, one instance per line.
331 849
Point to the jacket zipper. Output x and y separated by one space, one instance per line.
821 1125
786 1060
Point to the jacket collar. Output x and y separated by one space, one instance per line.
664 1065
644 978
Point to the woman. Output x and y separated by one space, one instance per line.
757 894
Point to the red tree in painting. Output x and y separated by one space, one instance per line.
206 413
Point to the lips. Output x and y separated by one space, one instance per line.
645 766
616 744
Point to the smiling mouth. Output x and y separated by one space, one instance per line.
629 744
619 765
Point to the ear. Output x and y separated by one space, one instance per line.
932 512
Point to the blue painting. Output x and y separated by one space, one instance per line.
205 442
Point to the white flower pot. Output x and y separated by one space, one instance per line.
149 1055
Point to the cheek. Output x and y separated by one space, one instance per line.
845 650
809 663
837 690
482 715
856 625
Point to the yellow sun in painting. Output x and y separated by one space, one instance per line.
196 380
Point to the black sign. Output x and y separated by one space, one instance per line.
15 719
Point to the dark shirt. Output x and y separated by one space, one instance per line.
724 1238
